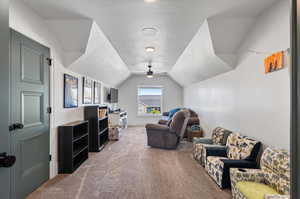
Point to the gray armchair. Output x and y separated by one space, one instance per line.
168 136
194 119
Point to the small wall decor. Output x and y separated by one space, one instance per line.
97 93
70 91
274 62
87 89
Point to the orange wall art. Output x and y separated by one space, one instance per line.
274 62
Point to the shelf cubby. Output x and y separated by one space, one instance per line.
73 146
98 129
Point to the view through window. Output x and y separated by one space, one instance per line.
149 100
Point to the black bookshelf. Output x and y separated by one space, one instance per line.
73 145
98 128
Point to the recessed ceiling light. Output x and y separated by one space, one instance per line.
150 32
150 1
150 49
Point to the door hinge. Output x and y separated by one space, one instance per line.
49 110
49 61
50 157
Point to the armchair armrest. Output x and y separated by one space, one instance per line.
220 151
157 127
253 175
239 163
269 196
203 140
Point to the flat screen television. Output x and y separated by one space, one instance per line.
113 95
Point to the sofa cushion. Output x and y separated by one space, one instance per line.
246 146
254 190
220 135
241 147
233 146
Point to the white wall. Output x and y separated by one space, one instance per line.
247 100
172 96
26 21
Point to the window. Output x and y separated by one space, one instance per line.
149 100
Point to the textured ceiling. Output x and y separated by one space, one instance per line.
177 22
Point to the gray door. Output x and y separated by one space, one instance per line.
29 117
4 98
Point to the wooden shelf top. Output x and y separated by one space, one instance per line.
75 123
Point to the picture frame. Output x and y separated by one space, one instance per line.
87 90
70 91
97 92
274 62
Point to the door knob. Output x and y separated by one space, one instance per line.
16 126
7 160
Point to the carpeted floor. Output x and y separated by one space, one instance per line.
129 169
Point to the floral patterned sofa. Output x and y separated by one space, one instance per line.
240 152
272 181
218 139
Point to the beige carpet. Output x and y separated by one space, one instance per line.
129 169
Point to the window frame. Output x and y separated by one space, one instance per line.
161 101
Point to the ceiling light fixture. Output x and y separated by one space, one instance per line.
149 31
150 1
149 72
150 49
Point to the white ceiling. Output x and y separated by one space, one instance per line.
177 22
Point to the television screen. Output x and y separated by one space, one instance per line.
113 95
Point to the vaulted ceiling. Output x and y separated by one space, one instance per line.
193 39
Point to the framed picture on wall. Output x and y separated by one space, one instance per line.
87 89
70 91
97 93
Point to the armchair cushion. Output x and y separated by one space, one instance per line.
178 121
254 190
233 146
242 147
164 121
220 135
276 166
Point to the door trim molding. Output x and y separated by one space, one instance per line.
295 99
5 189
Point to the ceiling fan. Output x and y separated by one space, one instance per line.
150 72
